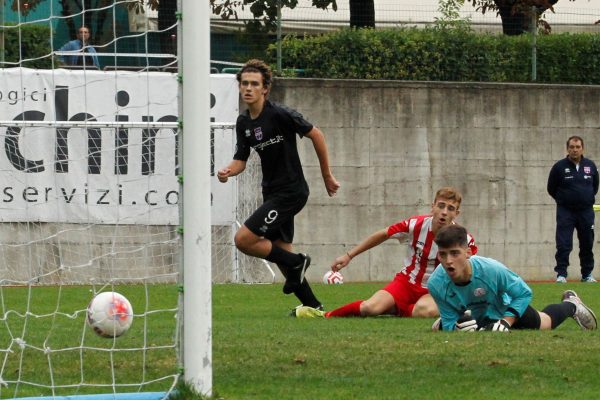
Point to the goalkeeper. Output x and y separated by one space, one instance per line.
497 298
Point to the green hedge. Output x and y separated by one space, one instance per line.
35 46
442 55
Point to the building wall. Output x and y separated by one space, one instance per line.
393 144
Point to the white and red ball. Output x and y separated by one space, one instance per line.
333 278
109 314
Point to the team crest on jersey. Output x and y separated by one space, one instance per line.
258 133
247 132
587 170
567 170
479 292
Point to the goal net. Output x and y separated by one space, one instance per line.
89 200
239 198
89 204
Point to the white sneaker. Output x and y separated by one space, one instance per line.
561 279
588 279
584 316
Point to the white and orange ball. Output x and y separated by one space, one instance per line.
109 314
333 278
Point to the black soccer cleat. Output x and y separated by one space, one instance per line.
295 276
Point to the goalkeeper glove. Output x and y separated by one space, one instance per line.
465 323
498 326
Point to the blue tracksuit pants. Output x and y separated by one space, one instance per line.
567 221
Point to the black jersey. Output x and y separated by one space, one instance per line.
273 136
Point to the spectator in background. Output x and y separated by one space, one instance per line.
573 184
81 44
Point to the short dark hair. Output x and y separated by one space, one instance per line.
575 137
260 66
451 235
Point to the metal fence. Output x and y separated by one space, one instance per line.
232 42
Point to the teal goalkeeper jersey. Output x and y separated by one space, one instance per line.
493 293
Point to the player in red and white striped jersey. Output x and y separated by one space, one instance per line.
406 295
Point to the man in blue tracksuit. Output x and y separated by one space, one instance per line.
573 184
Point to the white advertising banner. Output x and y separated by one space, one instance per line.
96 174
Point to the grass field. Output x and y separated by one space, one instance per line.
261 353
53 319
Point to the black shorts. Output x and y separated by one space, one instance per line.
274 219
529 320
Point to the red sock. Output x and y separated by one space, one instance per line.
349 310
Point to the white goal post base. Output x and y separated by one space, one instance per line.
111 396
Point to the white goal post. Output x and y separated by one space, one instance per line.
197 297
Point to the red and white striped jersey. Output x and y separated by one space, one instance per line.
421 259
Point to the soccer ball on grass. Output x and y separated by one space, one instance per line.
333 278
109 314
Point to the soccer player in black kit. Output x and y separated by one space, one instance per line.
270 129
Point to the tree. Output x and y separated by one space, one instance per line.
517 15
362 12
167 20
450 15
